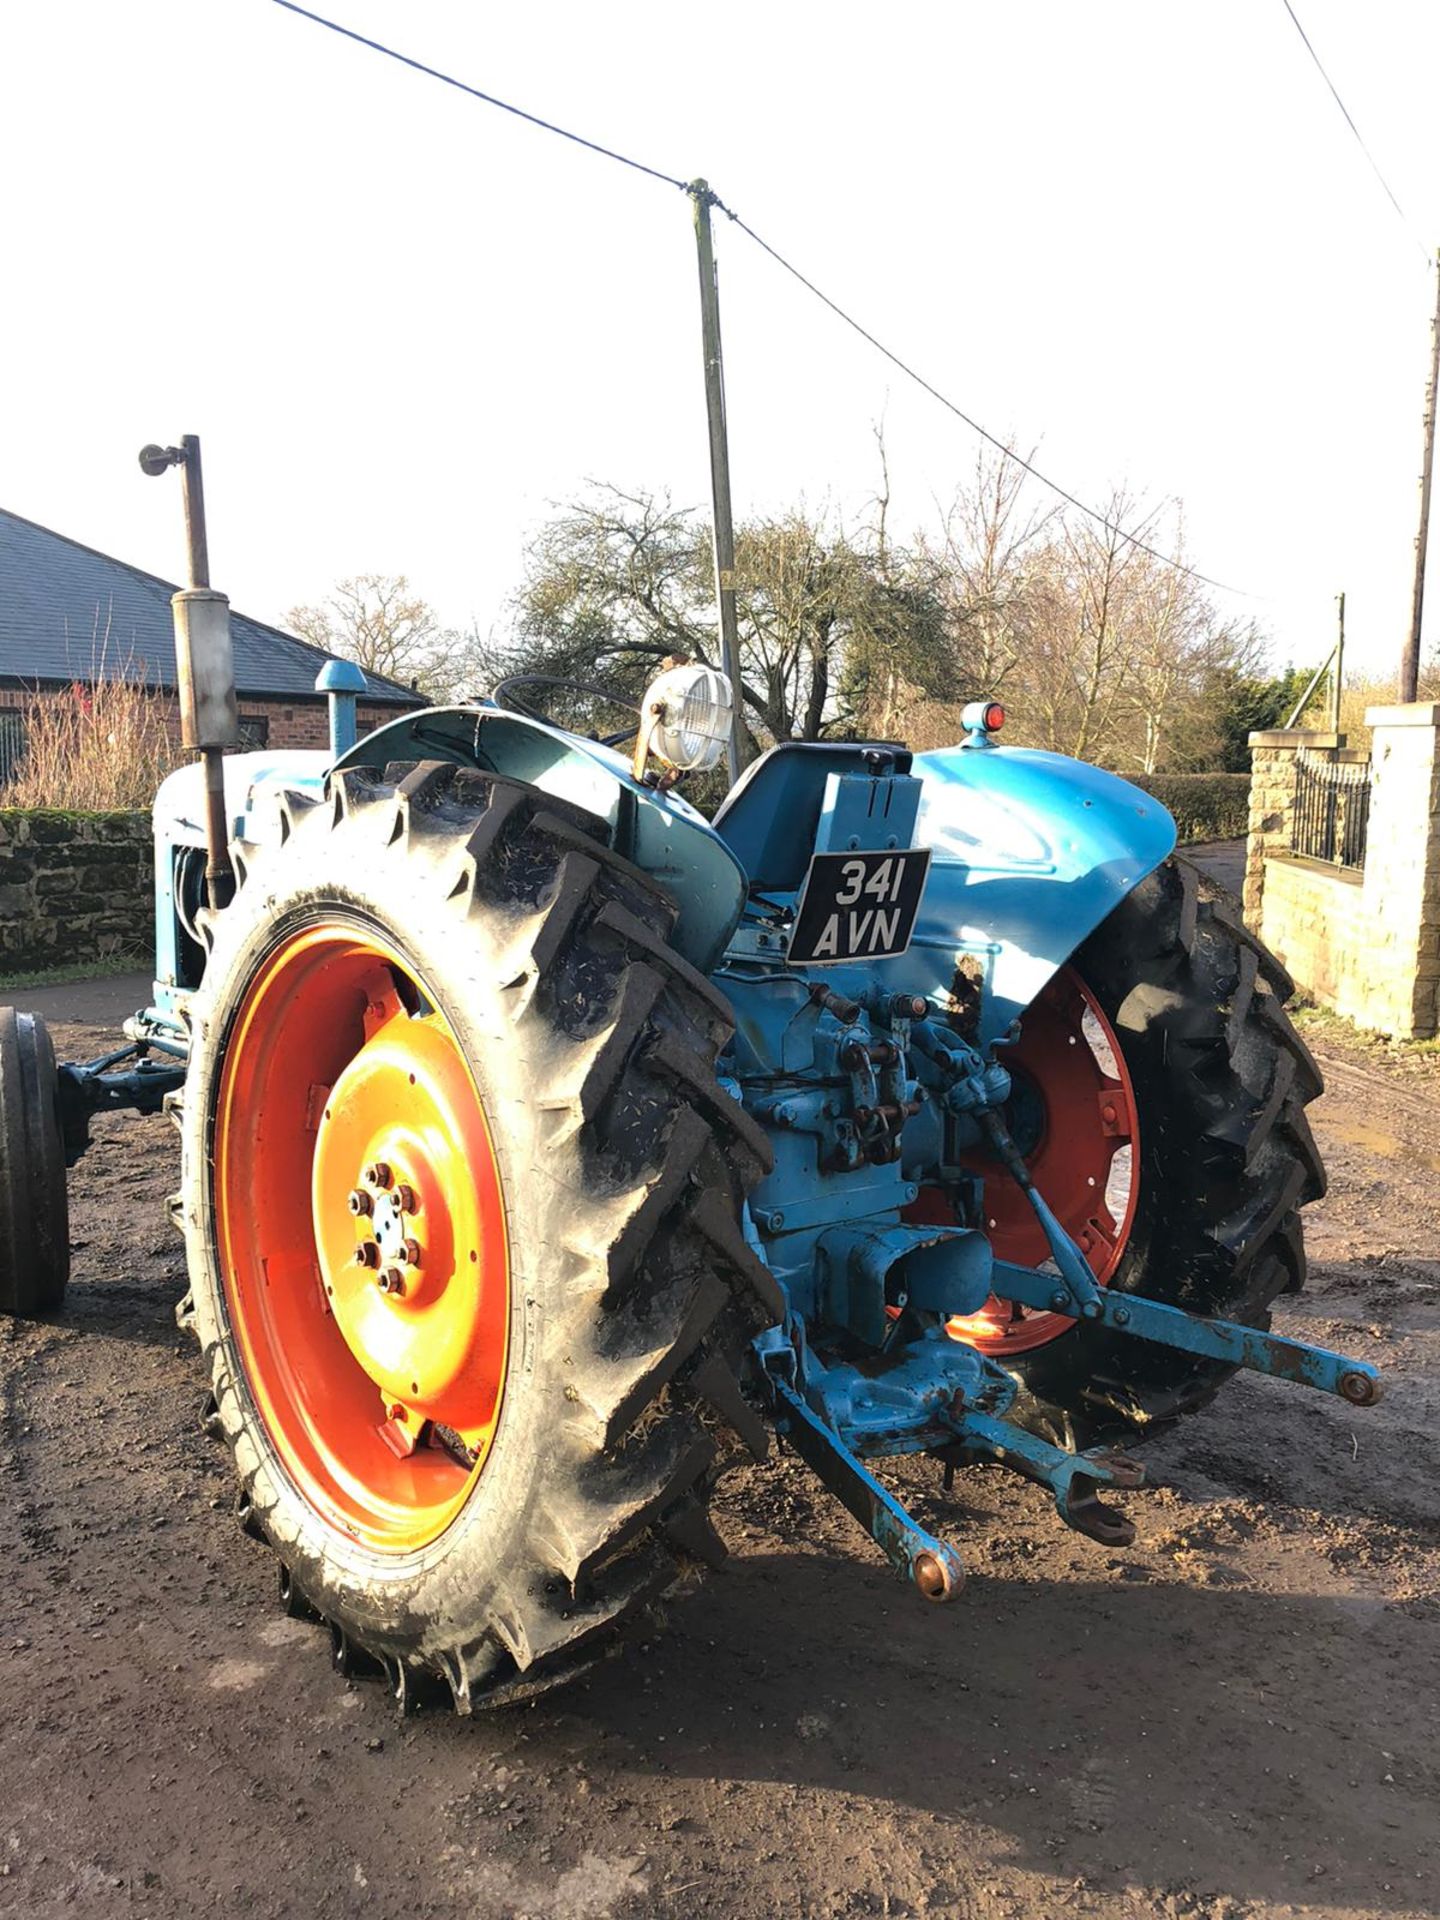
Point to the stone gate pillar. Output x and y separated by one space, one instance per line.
1402 872
1273 758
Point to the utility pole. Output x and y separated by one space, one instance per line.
703 199
1337 655
1336 683
1410 659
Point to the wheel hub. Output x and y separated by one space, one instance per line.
409 1308
394 1247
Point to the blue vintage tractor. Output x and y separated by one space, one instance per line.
544 1144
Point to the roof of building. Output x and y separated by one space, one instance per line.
69 613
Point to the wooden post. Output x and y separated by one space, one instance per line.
1410 659
1339 670
703 200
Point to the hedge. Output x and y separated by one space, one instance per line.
1206 806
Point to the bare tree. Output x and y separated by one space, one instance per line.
987 563
378 621
1101 649
621 580
1183 658
624 571
897 655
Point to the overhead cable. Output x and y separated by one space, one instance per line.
693 187
449 80
1349 121
911 373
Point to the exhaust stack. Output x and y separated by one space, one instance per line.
204 662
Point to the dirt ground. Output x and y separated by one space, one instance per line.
1237 1717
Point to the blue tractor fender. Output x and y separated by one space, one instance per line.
659 832
1030 851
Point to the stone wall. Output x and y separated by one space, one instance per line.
1366 945
74 887
1315 924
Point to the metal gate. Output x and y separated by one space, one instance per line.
1332 812
12 742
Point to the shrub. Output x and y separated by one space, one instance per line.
1206 806
93 749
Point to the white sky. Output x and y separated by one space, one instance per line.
1135 232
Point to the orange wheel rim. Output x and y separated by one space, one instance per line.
361 1228
1073 1113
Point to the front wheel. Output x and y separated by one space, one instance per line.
34 1207
1161 1093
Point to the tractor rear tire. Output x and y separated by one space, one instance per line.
34 1205
1221 1080
543 960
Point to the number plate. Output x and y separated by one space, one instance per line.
858 906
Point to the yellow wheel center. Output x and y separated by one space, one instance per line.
412 1313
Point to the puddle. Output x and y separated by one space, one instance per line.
1355 1133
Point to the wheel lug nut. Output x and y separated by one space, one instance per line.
406 1198
410 1253
378 1175
360 1202
367 1254
392 1281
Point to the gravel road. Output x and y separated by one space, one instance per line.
1237 1717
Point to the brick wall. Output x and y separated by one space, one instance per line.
291 723
1366 945
306 723
73 885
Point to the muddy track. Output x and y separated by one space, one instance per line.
1234 1718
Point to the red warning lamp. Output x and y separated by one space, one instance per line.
981 718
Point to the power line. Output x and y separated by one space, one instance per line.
434 73
1360 139
912 373
693 187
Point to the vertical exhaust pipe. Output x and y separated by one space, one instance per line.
204 662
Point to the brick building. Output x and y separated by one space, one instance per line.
71 615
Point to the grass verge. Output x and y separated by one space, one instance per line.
102 967
1323 1028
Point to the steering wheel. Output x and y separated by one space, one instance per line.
505 695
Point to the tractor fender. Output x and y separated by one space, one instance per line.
659 832
1030 851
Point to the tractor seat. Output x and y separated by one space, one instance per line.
771 815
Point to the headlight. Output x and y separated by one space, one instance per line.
687 710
